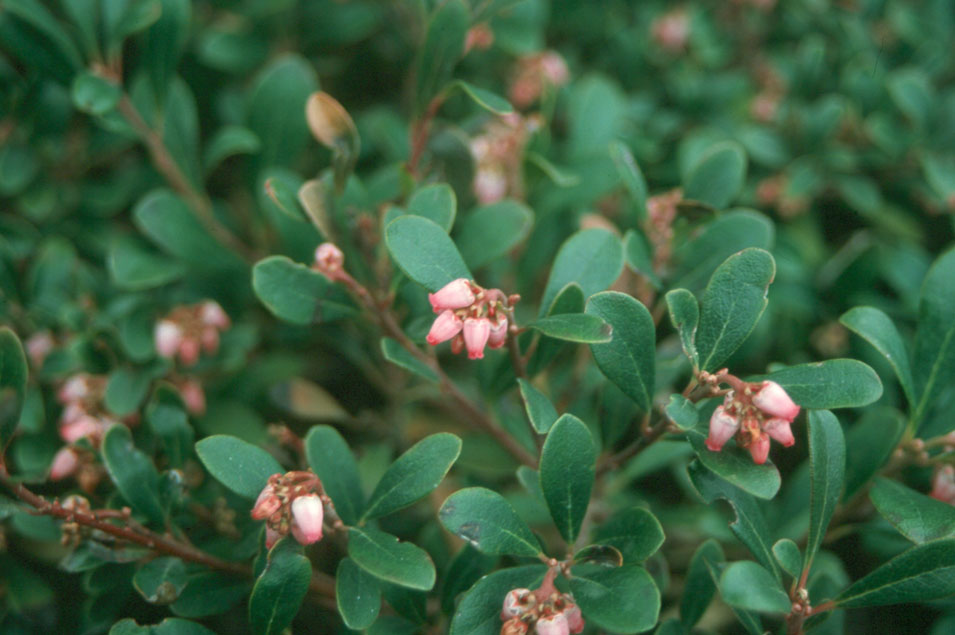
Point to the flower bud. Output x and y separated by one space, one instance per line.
76 388
167 337
554 68
65 463
774 401
575 621
266 504
780 430
210 339
516 602
490 185
943 485
498 335
553 625
38 347
308 513
759 449
445 326
457 294
476 333
271 537
193 396
86 426
189 351
211 314
329 258
722 427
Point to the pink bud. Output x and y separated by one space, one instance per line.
780 430
554 68
575 621
38 347
476 333
307 516
85 426
457 294
943 485
64 464
75 388
516 603
210 339
498 336
774 400
445 326
189 351
271 537
194 396
722 427
759 449
266 504
490 184
329 258
73 411
211 313
553 625
167 337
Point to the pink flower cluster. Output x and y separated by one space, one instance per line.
943 485
292 502
535 74
545 609
470 316
187 331
498 153
755 413
672 30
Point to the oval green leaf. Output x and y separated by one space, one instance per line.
834 383
13 384
574 327
332 461
424 251
924 572
877 328
385 557
748 586
540 411
717 176
827 471
700 586
918 517
567 474
242 467
685 316
593 258
491 231
133 473
736 466
479 612
280 589
622 600
488 522
635 532
296 294
934 367
357 595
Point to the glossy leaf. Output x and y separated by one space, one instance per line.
487 521
934 360
333 462
385 557
160 581
414 474
540 411
788 556
489 232
242 467
869 444
593 258
717 176
435 202
126 390
169 626
135 268
296 294
700 586
357 595
95 95
630 175
443 47
736 466
167 418
635 532
279 589
276 109
423 250
682 412
398 354
623 599
834 383
229 141
924 572
685 316
827 471
133 473
209 593
629 360
750 587
602 555
918 517
485 99
13 383
567 474
574 327
878 330
638 256
733 302
479 611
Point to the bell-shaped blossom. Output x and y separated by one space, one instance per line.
266 504
722 427
329 258
476 333
498 335
189 351
775 401
210 339
193 396
516 602
555 624
514 626
168 338
943 485
308 513
780 430
575 620
85 426
65 463
212 314
759 449
445 326
76 388
457 294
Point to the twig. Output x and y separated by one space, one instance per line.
419 135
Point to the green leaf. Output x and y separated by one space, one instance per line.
574 327
95 95
869 444
479 611
827 471
436 203
169 626
750 524
443 47
834 383
877 329
423 250
296 294
602 555
357 595
635 532
37 16
629 360
788 556
126 390
918 517
133 473
593 258
685 317
491 231
242 467
638 256
13 384
682 412
700 587
567 474
135 268
924 572
630 175
934 367
122 18
398 354
717 176
165 42
748 586
414 474
210 593
167 418
280 589
540 411
160 581
622 600
229 141
333 462
485 99
736 466
488 522
732 304
383 556
276 110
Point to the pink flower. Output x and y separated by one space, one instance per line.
329 258
490 185
307 516
194 396
210 339
780 430
943 485
65 463
189 351
514 626
75 388
266 504
759 449
476 333
445 326
516 603
722 427
271 537
574 618
167 337
498 335
85 426
211 314
73 411
553 625
554 68
774 401
457 294
38 347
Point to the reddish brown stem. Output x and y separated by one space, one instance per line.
422 128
